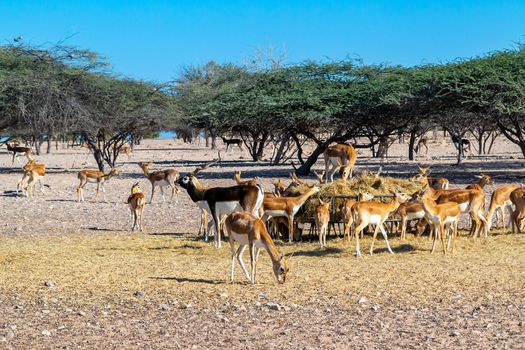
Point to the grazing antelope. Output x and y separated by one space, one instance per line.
409 211
26 151
161 178
517 197
33 172
136 202
437 183
339 156
239 181
375 213
221 201
249 231
322 218
92 175
287 207
442 216
501 200
483 181
346 211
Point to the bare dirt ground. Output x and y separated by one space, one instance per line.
94 267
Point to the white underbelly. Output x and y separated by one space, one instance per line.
243 240
91 180
222 208
337 161
416 215
449 219
464 207
375 219
275 213
204 206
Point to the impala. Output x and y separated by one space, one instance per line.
286 206
375 213
92 175
239 181
483 181
161 178
232 142
249 231
346 211
437 183
408 211
26 151
517 197
136 202
126 149
322 218
423 142
33 172
501 200
339 156
221 201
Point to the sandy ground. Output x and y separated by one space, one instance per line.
474 299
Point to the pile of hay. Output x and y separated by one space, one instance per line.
366 182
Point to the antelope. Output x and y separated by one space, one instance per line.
286 206
408 211
136 202
483 181
375 213
346 211
279 187
442 216
436 183
423 141
220 201
501 200
517 198
339 156
320 177
322 218
26 151
237 178
92 175
33 172
249 231
161 178
126 149
228 142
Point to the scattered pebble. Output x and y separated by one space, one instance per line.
164 307
81 313
139 293
375 308
46 333
50 283
273 306
262 296
362 300
8 334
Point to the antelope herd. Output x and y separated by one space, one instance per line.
251 215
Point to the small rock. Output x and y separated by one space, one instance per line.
375 308
50 283
262 296
223 295
45 311
362 300
139 293
61 327
13 327
186 306
9 334
81 313
454 334
46 333
164 307
258 304
521 323
456 296
53 300
273 306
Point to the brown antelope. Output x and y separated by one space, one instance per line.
517 197
437 183
469 201
409 211
322 218
33 172
221 201
483 181
239 181
26 151
161 178
442 216
136 202
126 149
423 142
320 177
501 200
342 157
346 211
92 175
249 231
286 206
375 213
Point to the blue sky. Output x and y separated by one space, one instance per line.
154 39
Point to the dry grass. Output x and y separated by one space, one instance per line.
110 266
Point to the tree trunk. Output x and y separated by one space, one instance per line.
280 150
412 143
98 158
49 144
305 168
213 139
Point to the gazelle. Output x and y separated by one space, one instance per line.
136 202
423 142
437 183
408 211
483 181
92 175
501 200
442 216
26 151
126 149
517 197
342 157
232 142
221 201
375 213
286 206
33 172
249 231
346 211
320 177
322 218
239 181
161 178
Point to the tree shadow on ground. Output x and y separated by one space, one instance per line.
318 252
185 279
403 248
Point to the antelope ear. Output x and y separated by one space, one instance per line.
478 176
289 255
